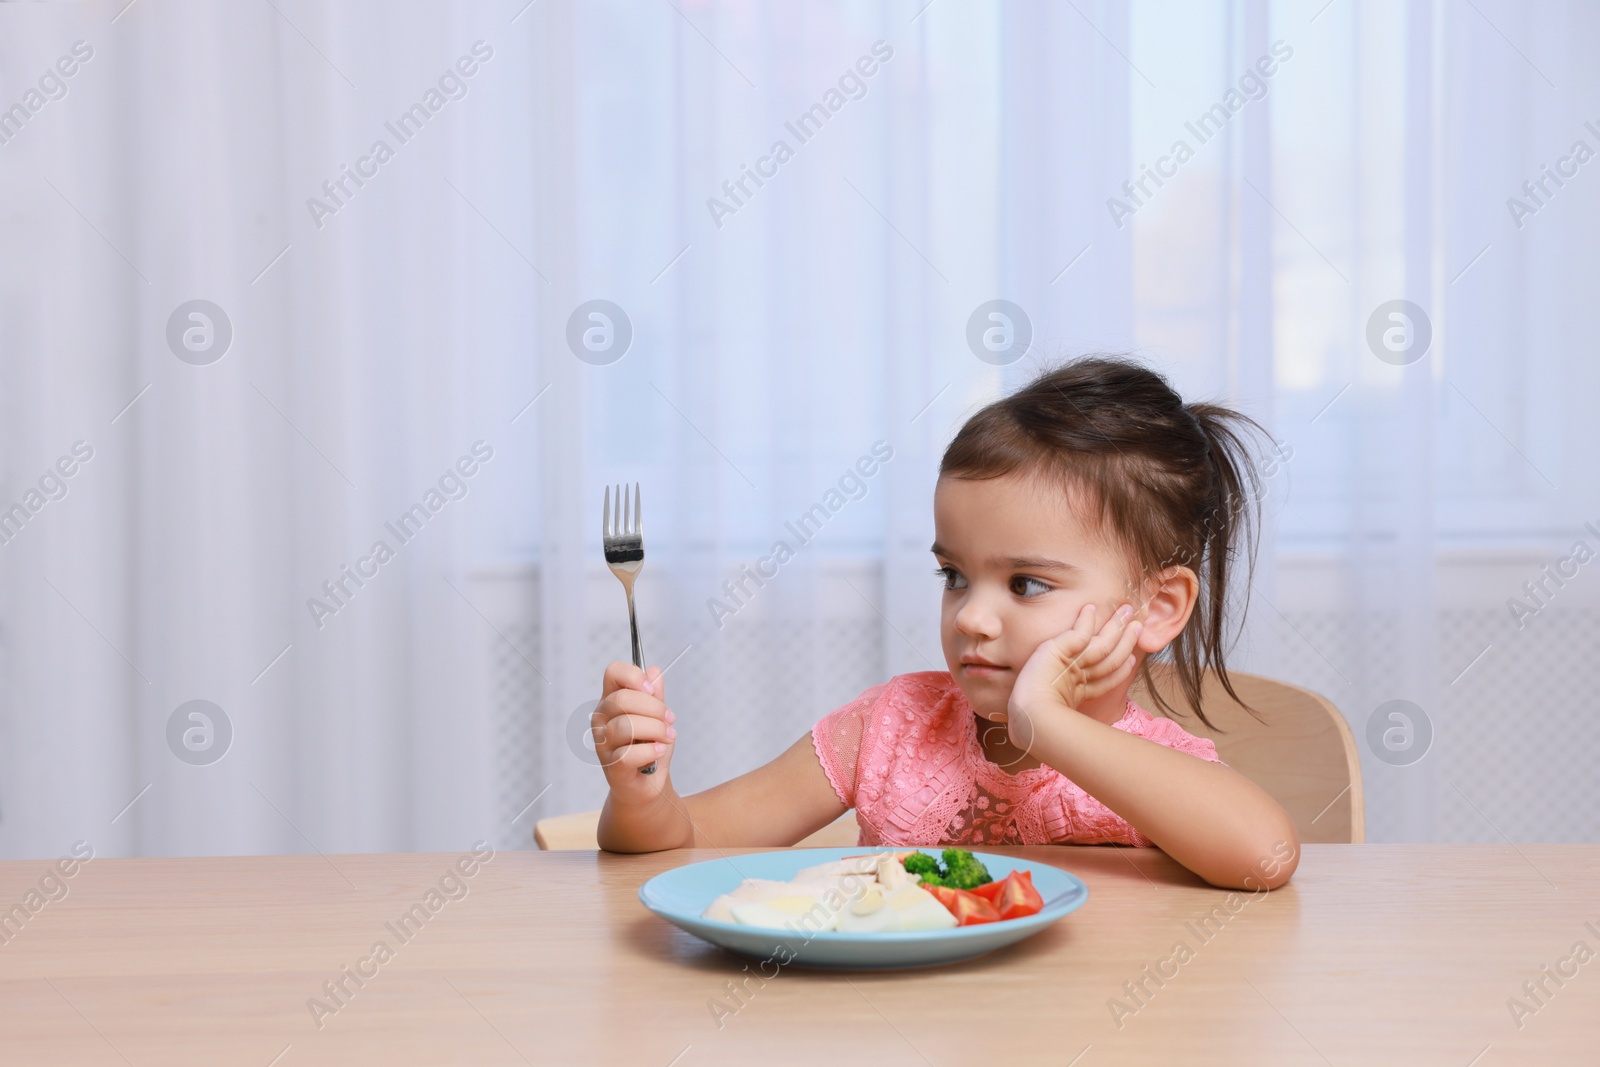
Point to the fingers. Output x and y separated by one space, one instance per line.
1084 645
628 717
628 739
633 702
620 674
1119 675
622 730
1106 638
1121 635
631 727
1109 661
1087 660
1105 658
635 756
1084 624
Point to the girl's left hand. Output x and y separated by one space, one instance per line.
1076 666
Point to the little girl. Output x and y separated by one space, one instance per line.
1082 525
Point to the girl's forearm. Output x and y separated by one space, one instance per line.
1208 817
659 824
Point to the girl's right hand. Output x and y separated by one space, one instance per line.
632 726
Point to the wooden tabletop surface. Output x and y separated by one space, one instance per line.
1374 954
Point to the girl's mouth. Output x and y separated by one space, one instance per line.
983 670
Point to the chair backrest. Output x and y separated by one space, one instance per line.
577 831
1300 750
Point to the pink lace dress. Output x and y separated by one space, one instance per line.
907 757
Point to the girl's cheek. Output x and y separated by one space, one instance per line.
1074 606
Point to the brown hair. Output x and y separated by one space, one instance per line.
1174 482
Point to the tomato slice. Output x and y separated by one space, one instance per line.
989 891
968 908
1017 897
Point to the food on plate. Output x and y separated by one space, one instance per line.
960 870
857 894
968 908
1013 896
963 885
881 892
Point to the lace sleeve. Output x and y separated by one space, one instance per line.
837 739
1172 735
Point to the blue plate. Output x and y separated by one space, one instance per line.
680 895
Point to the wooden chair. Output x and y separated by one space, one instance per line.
1301 751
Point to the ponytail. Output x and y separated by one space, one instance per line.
1230 528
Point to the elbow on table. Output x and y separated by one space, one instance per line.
610 843
633 830
613 838
1264 863
610 840
1274 863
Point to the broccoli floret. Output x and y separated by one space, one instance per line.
963 870
960 870
925 865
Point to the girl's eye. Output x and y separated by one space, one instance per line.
1023 581
950 576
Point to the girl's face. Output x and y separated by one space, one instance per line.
1019 564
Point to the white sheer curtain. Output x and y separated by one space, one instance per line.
368 354
778 331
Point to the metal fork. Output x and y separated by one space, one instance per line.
622 537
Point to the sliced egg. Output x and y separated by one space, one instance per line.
871 923
868 913
787 913
915 908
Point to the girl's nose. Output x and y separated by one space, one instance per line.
975 620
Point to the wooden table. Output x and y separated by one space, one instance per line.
1374 954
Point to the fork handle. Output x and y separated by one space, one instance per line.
633 630
638 661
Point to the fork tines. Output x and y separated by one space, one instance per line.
622 533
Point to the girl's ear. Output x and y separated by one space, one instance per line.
1173 594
